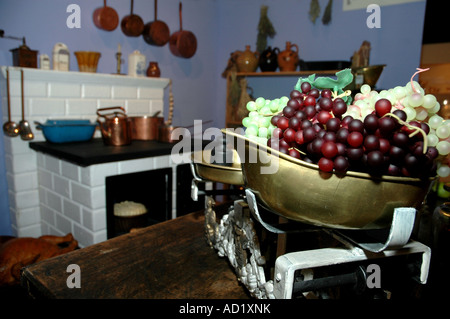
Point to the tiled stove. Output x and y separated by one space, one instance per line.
48 195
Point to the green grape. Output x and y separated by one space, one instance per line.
252 130
443 148
365 89
251 106
263 132
260 102
435 121
421 113
429 101
264 121
399 92
435 109
273 106
432 139
410 113
283 100
265 110
246 121
416 99
253 114
443 131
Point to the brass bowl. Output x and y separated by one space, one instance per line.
300 191
217 173
371 73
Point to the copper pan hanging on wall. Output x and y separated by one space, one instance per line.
183 43
156 32
132 24
105 18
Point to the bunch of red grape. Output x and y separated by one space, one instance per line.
311 128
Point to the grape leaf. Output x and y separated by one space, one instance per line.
343 78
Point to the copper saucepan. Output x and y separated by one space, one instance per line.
156 32
132 24
145 128
183 43
106 18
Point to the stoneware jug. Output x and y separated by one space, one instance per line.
247 61
268 60
288 59
153 70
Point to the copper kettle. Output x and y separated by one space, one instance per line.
116 126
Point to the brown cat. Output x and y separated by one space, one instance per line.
17 253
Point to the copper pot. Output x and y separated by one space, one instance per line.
183 43
132 24
106 18
145 128
156 32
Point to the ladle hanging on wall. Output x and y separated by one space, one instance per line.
24 127
10 128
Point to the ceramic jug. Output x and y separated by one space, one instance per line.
247 61
268 60
153 70
288 59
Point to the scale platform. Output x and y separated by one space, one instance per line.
356 259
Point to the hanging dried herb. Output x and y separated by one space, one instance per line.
314 10
265 29
327 14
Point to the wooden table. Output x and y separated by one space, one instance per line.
170 260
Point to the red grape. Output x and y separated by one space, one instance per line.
294 103
295 94
288 111
289 135
294 153
386 125
371 143
333 124
283 123
326 104
309 134
382 106
371 123
356 125
314 92
305 87
341 164
309 100
326 93
339 107
323 117
294 123
298 137
325 164
375 158
329 149
355 139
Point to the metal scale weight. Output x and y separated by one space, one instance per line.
294 273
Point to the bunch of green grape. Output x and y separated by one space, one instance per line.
258 126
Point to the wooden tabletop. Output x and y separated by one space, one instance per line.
170 260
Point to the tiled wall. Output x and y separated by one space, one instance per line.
57 95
